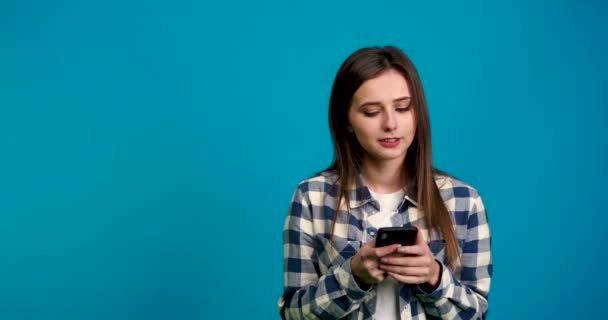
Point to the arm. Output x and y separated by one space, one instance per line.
464 295
307 293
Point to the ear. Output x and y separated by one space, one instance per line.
349 129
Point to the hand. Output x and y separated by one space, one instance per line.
365 263
413 264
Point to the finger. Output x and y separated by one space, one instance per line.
415 250
406 261
368 250
379 275
383 251
406 279
371 244
407 271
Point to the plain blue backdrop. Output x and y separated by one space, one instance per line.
149 149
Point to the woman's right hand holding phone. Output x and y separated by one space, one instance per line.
365 264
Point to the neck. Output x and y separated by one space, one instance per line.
383 176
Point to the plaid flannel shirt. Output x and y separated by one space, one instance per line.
319 283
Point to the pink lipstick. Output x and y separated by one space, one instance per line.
390 142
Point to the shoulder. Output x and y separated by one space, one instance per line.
324 181
314 194
458 196
452 187
462 201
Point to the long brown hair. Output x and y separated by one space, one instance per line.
365 64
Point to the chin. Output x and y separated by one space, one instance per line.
390 157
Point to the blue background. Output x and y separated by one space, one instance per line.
149 150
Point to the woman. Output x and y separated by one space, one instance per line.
383 176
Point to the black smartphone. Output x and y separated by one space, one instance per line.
405 236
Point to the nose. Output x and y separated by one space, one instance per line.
389 122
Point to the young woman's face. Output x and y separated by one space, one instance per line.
382 118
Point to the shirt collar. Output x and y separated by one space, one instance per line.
360 194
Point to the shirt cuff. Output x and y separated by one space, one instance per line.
346 279
445 280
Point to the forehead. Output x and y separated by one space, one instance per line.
388 86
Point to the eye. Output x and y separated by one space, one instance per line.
371 113
403 109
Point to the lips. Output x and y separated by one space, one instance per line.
390 142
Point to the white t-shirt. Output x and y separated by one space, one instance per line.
387 300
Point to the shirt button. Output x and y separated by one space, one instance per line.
371 231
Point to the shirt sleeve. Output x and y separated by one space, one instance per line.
464 295
307 293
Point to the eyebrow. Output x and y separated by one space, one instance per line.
377 103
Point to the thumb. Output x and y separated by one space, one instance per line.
371 244
383 251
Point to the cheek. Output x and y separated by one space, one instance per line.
360 137
363 134
364 140
410 131
358 127
411 134
411 125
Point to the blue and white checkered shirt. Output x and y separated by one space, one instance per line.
319 283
